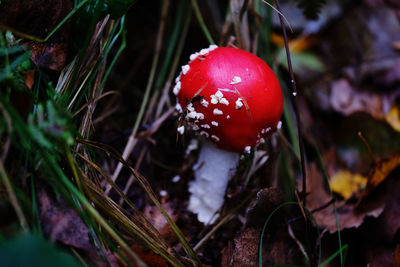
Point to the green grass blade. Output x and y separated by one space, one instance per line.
288 203
326 176
200 19
7 71
334 255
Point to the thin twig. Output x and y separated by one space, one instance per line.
280 14
299 244
370 154
224 220
296 105
132 138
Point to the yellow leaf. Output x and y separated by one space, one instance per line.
297 45
380 171
393 118
346 183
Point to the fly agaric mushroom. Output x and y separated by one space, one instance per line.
232 100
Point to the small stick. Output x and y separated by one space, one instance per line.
296 106
370 154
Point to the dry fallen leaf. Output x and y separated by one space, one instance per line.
63 224
296 45
349 215
30 78
153 214
346 99
36 19
149 257
50 55
278 246
347 184
393 118
380 171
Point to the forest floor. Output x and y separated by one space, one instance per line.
94 173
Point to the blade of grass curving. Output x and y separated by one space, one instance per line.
326 176
110 44
146 186
137 225
73 11
74 169
94 67
9 68
170 50
5 51
52 172
200 19
115 212
95 84
132 138
334 255
78 92
40 40
79 258
178 53
117 93
288 203
172 42
148 227
90 209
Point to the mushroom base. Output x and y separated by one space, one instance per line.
212 172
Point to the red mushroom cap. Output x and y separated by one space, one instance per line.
229 96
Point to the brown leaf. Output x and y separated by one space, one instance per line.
63 224
393 117
389 220
259 209
49 55
345 99
156 218
278 247
29 78
349 215
149 257
36 19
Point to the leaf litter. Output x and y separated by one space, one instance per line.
355 92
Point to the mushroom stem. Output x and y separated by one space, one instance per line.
212 172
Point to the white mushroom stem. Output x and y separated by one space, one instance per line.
212 172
